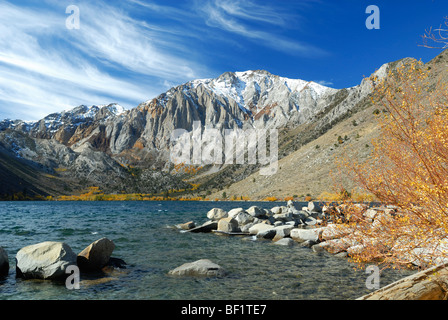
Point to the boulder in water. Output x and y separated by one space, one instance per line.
206 227
96 255
228 225
45 260
216 214
201 268
186 226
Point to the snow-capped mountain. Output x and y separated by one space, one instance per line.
249 99
253 90
252 98
65 122
94 143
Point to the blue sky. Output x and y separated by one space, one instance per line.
129 51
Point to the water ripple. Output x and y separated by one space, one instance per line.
257 269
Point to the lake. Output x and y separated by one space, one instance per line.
145 238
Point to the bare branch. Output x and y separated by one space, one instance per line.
436 38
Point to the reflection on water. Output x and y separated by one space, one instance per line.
258 270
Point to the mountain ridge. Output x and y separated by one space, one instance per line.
101 145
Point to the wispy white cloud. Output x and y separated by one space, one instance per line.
248 10
124 53
118 38
238 17
45 67
168 11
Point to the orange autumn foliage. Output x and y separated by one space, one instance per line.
95 194
408 168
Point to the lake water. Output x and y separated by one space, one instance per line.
145 239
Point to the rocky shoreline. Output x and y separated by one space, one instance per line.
309 226
314 227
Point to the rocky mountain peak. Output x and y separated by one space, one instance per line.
90 141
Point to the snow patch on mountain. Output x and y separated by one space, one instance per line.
115 109
248 88
85 112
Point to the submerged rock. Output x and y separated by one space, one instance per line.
115 263
45 260
201 268
285 242
94 282
186 226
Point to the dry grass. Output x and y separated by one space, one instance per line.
312 169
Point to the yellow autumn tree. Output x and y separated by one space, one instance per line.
408 168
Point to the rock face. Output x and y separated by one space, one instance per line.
46 260
4 262
92 142
285 242
199 268
96 255
429 284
